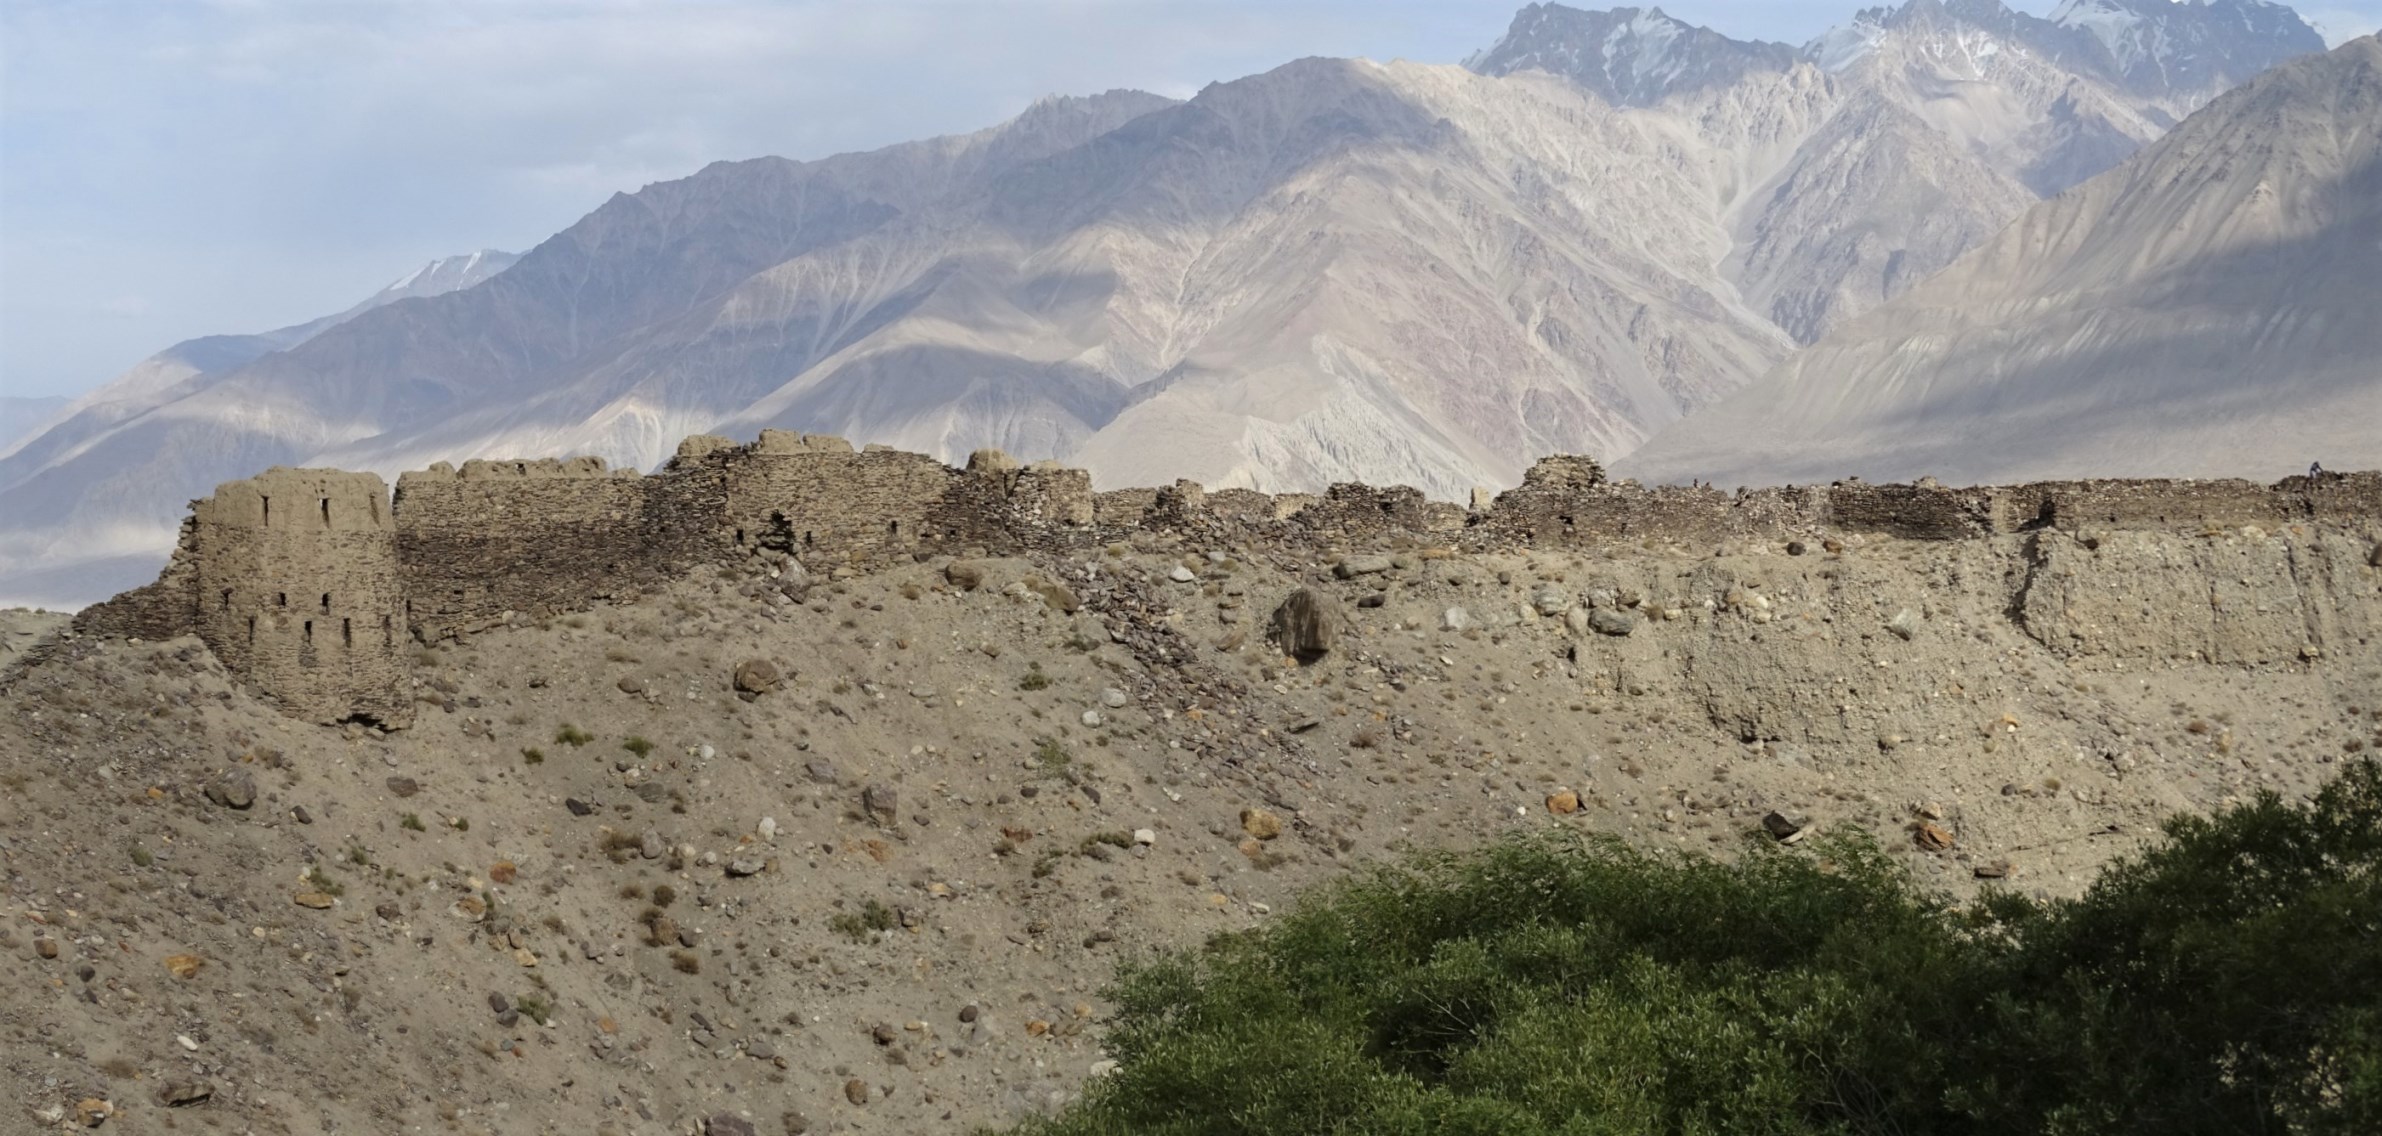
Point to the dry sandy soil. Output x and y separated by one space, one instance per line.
594 890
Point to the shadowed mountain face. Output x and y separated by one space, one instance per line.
2204 310
1335 270
1941 121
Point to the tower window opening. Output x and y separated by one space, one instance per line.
347 633
894 527
326 512
252 631
326 603
227 599
281 599
268 502
309 632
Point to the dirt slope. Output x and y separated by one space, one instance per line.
939 802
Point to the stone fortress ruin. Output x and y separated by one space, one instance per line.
313 585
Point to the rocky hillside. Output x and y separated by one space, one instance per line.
2201 311
858 854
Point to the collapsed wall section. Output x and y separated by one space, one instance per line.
160 609
1566 502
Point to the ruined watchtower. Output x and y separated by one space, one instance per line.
297 588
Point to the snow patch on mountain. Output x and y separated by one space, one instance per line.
1838 48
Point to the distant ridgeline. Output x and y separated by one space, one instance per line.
313 584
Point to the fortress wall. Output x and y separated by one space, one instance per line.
835 508
298 589
2340 494
1566 502
1122 508
1250 507
2151 504
997 506
1362 512
1913 512
1047 495
539 537
307 582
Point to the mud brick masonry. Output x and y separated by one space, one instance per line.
314 584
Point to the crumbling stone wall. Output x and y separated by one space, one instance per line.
1350 510
161 609
831 506
1565 502
1925 511
536 537
296 587
310 582
999 506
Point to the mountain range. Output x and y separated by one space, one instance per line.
1334 270
2206 309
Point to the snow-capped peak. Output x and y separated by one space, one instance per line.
1840 47
446 274
1630 56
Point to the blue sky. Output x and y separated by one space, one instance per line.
172 168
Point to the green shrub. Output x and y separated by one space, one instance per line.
2228 980
573 736
859 925
1050 757
534 1007
638 746
412 821
532 755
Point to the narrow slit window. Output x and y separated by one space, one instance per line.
326 512
281 599
326 603
347 633
309 632
252 631
268 522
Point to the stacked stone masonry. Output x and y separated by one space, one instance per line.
315 584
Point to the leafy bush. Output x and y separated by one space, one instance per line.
858 926
2228 980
